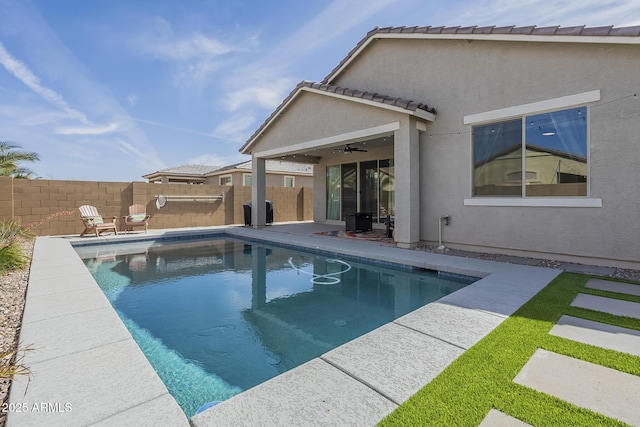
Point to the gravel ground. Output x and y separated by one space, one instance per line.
619 273
13 287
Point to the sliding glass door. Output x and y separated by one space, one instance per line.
361 187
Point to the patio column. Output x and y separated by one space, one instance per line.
258 193
406 151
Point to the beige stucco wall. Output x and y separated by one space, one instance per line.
312 116
459 78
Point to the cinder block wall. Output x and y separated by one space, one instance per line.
53 205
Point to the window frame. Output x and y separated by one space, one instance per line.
520 112
293 181
221 177
244 179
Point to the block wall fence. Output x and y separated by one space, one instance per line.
40 202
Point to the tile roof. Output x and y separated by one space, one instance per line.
187 170
370 96
579 31
202 171
272 166
375 97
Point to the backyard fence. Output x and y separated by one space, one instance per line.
52 205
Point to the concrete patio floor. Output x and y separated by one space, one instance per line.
90 371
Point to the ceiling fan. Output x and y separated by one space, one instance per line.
349 149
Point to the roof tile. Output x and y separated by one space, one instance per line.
545 31
503 30
626 31
484 30
449 30
597 31
570 31
523 30
467 30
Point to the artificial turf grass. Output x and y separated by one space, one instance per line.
482 377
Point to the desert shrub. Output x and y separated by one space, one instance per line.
11 255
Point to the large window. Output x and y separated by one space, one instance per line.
538 155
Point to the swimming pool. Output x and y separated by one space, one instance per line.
216 317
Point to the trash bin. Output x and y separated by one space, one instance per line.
247 213
269 212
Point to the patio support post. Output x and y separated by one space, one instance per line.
406 150
258 193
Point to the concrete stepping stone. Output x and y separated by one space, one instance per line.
587 269
608 305
598 334
600 389
611 286
496 418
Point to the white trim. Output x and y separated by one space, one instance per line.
293 181
221 177
335 140
422 114
534 107
535 202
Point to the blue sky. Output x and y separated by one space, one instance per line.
112 90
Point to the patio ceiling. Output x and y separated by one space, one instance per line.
332 149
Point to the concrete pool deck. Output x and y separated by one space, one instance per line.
87 370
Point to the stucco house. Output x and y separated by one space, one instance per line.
519 140
278 174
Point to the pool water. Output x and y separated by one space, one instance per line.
218 317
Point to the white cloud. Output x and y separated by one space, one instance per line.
236 128
132 100
334 20
20 71
87 130
543 13
127 148
195 55
267 95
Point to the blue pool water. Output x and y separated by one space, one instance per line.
217 317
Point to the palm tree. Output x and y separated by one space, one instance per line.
10 157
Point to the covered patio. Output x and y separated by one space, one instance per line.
365 151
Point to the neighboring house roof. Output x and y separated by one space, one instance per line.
275 166
204 171
415 108
532 33
531 147
183 170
